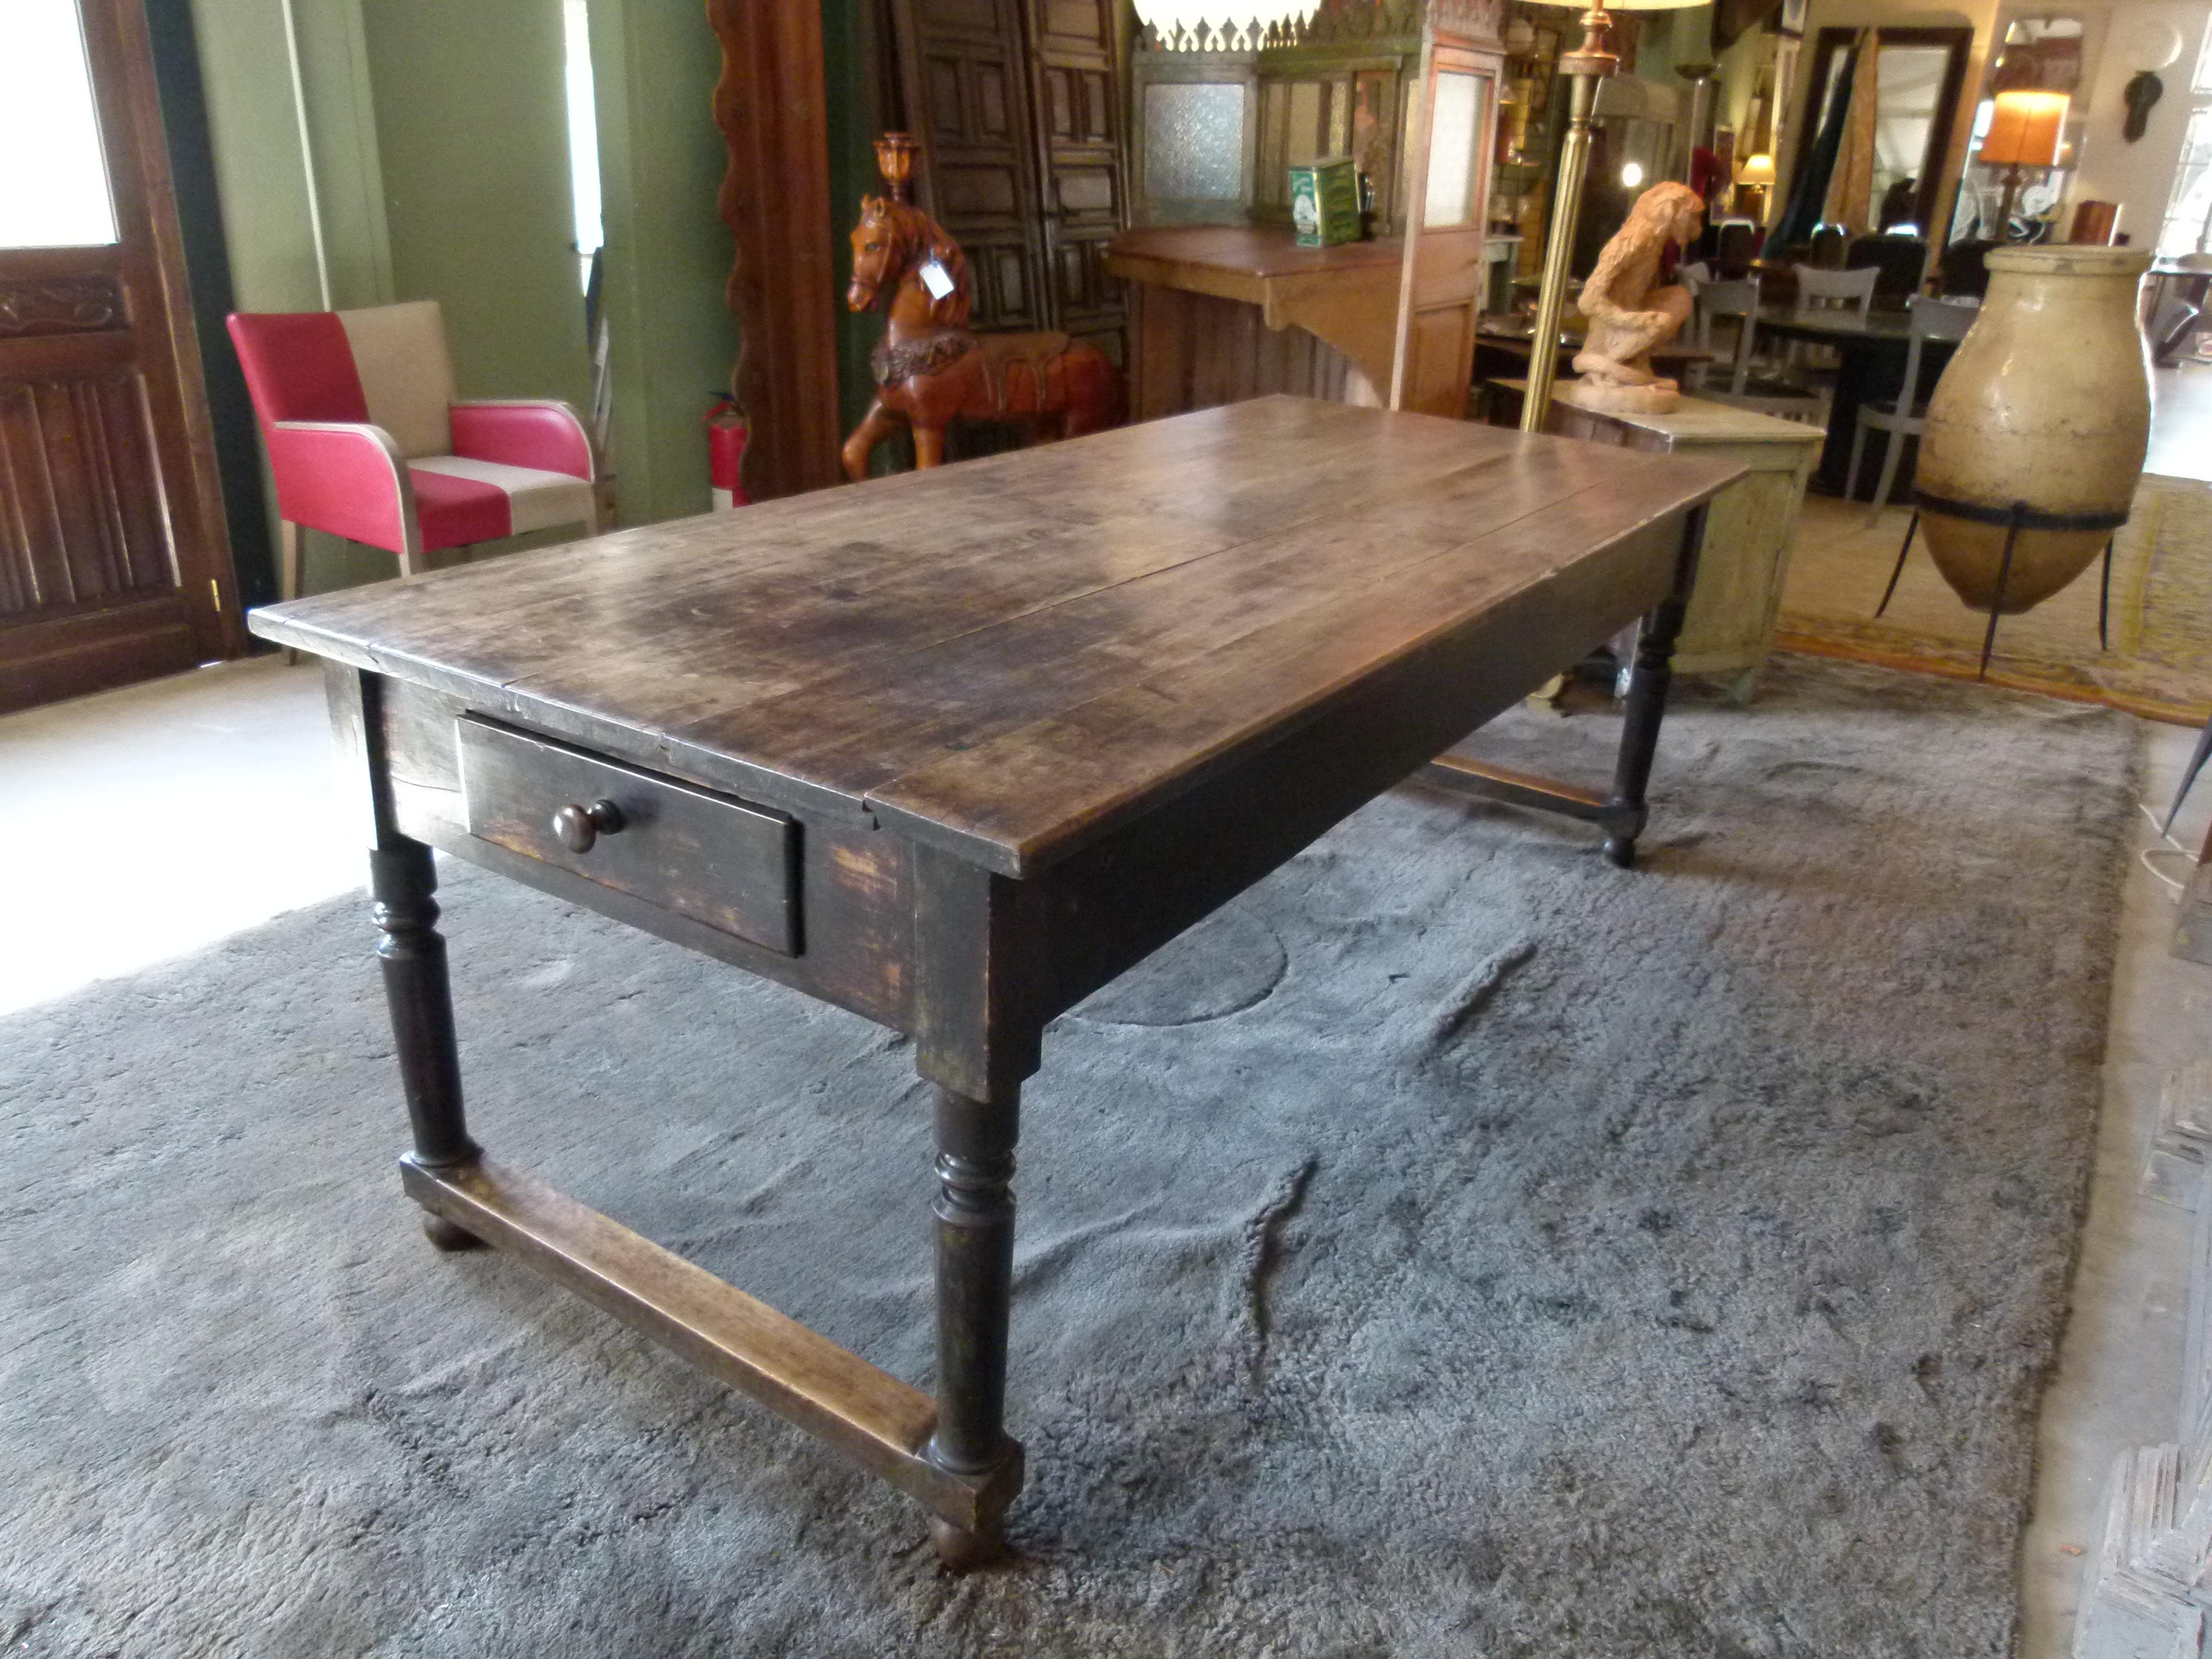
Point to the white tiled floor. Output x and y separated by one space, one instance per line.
155 820
2118 1383
151 821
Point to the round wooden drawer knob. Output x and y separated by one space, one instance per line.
581 827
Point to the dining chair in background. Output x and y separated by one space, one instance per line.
1748 386
1900 264
1904 416
1813 367
1847 290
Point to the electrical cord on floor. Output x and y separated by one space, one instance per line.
2146 855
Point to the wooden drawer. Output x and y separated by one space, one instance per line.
711 858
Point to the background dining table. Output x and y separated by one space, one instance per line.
1871 347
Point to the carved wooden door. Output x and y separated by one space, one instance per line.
967 90
1452 142
1079 110
1018 109
113 563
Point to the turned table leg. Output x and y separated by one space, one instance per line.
975 1211
402 879
1648 683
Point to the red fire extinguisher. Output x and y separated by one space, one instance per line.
725 448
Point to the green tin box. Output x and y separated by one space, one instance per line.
1325 201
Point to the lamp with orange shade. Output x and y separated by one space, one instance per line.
1757 174
2026 131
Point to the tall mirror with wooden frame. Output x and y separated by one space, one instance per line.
1916 78
1454 129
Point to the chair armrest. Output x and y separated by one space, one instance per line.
345 478
543 432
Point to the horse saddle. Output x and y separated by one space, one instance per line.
1015 366
1008 358
930 352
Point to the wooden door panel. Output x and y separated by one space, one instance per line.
1442 356
1084 186
948 100
1075 26
1018 105
1440 284
966 90
113 562
83 527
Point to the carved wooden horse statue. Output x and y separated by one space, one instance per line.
930 370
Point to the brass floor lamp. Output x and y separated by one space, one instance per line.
1584 67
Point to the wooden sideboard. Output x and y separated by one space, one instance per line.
1224 312
1749 529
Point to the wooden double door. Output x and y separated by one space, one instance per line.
1017 105
114 564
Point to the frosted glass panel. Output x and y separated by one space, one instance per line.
1194 141
53 188
1452 158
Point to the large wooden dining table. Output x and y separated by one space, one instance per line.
953 749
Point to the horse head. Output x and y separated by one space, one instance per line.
895 247
879 253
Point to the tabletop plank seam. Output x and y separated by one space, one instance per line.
1286 719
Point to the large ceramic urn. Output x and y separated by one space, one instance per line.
2046 405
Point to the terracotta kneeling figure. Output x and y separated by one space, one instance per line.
1630 313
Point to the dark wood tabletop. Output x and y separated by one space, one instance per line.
1008 657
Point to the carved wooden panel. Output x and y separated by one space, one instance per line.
60 304
82 520
1481 21
1003 288
990 194
115 565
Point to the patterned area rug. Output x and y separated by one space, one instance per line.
2160 625
1456 1248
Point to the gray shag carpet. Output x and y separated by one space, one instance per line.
1457 1247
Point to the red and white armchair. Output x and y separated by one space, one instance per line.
368 441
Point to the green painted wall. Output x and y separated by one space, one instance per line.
439 132
261 171
472 136
667 261
259 163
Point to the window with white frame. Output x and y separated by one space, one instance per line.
2188 227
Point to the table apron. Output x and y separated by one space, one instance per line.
1116 902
